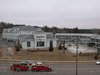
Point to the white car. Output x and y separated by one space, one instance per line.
39 63
97 62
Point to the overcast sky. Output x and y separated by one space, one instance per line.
60 13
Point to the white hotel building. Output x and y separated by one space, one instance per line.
30 37
72 37
80 37
33 37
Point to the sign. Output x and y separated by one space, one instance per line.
40 36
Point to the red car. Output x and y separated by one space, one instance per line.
20 67
41 68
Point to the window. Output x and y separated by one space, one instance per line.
28 44
40 44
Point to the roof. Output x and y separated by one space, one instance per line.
50 36
22 28
26 37
27 28
46 33
75 34
97 37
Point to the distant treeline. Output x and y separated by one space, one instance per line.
4 25
70 30
52 29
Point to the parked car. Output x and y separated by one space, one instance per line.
41 68
97 62
39 63
20 67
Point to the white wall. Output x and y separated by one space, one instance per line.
34 44
24 45
54 43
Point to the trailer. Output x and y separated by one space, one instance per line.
41 68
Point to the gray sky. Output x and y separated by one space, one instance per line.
60 13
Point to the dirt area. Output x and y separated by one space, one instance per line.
56 55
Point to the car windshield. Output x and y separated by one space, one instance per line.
23 64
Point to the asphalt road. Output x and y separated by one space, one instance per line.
58 69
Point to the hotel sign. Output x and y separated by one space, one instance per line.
40 36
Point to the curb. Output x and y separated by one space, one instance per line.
9 60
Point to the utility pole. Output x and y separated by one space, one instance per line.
77 55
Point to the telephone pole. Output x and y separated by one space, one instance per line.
77 40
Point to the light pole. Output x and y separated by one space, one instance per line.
77 56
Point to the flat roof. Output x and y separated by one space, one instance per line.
76 34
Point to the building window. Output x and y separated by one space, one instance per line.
40 44
28 44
